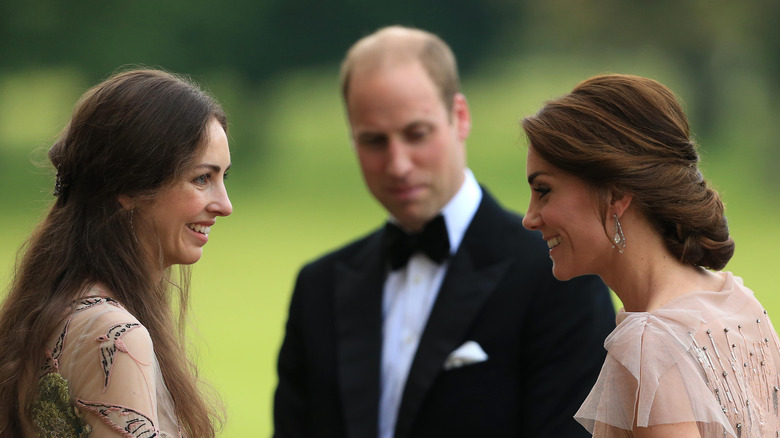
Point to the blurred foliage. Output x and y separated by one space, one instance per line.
255 39
253 42
704 38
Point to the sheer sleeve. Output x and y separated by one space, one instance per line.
108 360
651 376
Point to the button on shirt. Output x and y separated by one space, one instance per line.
409 294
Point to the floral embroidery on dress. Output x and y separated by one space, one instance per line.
57 415
109 344
91 301
129 422
52 357
52 412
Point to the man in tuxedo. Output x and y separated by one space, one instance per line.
446 321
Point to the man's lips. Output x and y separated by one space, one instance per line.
405 191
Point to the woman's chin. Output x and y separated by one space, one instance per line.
561 274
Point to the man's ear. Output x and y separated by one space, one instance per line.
461 115
126 202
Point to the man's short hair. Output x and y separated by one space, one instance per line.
398 45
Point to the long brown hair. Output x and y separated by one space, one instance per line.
130 135
629 134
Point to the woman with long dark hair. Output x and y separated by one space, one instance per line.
92 330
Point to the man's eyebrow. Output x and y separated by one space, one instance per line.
370 135
418 123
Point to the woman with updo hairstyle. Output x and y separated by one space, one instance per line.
90 343
617 192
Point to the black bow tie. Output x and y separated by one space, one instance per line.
432 241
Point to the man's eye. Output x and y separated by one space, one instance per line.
372 141
417 134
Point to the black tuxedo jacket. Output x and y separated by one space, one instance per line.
544 341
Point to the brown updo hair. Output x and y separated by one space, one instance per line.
627 134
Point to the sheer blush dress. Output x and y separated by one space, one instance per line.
709 357
105 359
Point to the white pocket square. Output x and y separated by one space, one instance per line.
468 353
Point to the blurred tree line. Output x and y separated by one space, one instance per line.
703 38
255 40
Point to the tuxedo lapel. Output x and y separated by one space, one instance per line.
471 277
358 309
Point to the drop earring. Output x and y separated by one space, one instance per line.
132 228
618 238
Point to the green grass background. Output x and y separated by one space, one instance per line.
299 193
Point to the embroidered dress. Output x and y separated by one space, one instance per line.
108 367
705 357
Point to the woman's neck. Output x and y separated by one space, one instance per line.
647 275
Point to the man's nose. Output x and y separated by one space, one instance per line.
399 160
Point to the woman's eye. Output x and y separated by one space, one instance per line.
201 180
541 191
225 176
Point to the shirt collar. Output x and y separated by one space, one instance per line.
460 210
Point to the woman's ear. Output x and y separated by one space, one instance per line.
619 202
126 202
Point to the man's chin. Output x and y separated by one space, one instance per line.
414 223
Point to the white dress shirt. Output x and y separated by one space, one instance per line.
409 294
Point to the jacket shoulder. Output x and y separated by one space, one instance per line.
350 253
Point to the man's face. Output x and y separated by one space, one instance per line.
410 147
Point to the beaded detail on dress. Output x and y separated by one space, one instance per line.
742 375
708 357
